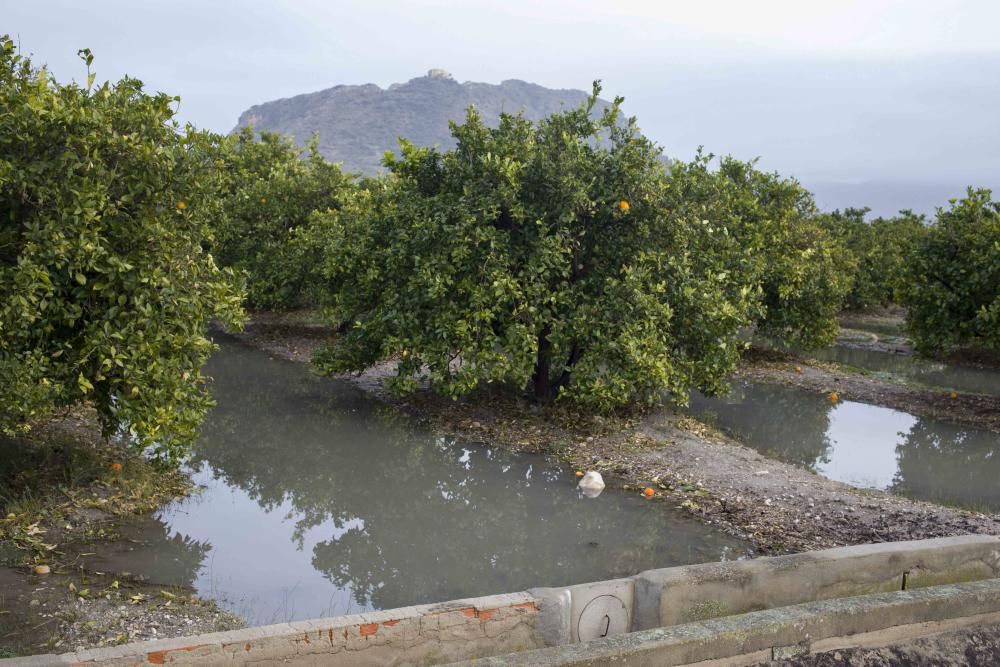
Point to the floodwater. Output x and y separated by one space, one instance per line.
915 369
319 501
864 445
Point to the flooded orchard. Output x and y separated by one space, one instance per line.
911 368
319 501
864 445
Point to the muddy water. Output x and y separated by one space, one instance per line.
863 445
318 501
915 369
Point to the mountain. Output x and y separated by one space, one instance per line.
357 124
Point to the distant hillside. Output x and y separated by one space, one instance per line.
357 124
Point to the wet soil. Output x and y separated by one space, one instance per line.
71 609
976 647
62 501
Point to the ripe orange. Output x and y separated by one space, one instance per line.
834 397
623 206
648 492
181 205
116 467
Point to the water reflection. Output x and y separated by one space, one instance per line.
150 550
863 445
318 501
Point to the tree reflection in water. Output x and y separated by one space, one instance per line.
784 423
862 444
411 518
950 464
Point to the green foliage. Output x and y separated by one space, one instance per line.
770 245
877 252
561 257
105 289
269 196
952 289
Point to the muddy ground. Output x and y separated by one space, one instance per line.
975 647
64 492
71 609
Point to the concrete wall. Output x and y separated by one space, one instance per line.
698 592
419 635
494 625
749 639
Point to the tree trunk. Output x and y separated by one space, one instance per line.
541 381
567 375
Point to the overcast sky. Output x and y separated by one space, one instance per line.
827 91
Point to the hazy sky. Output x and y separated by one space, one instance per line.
835 91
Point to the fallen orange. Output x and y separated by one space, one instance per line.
834 397
648 492
116 467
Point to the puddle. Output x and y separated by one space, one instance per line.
319 501
914 369
863 445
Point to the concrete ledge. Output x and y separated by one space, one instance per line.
698 592
419 635
773 633
497 624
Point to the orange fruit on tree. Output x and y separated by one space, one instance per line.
623 206
181 205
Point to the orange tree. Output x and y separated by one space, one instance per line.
952 283
560 257
105 289
877 251
270 190
764 233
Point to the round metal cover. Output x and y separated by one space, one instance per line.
604 616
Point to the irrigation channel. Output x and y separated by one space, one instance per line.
864 445
318 500
910 368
